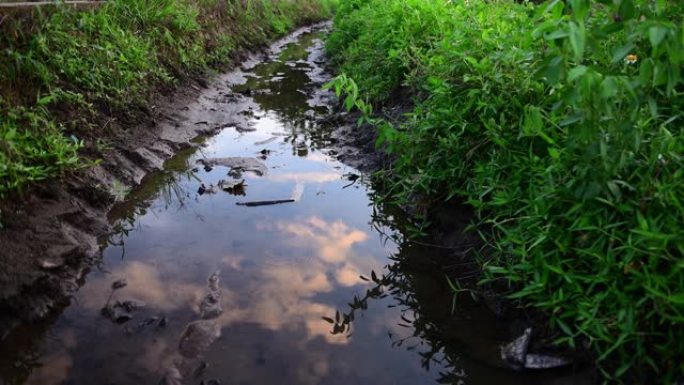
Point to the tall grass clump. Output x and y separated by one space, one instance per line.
63 72
561 123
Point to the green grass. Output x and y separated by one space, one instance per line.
572 155
63 72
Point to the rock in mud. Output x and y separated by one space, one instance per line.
197 337
516 355
238 163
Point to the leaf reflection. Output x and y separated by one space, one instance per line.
403 280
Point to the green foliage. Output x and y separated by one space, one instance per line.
561 124
109 59
33 154
343 85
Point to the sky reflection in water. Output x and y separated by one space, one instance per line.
282 267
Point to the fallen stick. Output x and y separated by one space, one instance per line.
264 203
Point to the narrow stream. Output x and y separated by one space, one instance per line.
285 270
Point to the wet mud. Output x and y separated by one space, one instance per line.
250 252
51 234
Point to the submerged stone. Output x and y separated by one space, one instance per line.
211 306
197 337
515 351
517 356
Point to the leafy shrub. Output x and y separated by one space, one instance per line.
561 124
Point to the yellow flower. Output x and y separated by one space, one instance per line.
631 58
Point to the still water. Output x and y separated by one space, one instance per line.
285 270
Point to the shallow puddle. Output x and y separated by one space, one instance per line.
285 269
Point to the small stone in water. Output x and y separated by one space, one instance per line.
197 337
202 189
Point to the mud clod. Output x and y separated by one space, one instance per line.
237 163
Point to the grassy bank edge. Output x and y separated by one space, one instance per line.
66 74
559 123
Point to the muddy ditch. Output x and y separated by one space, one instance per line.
52 233
259 182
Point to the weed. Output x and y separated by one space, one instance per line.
561 124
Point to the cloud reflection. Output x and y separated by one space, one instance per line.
54 369
284 294
145 283
307 177
279 295
334 240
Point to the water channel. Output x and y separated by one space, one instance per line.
286 271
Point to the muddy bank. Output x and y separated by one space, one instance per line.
52 233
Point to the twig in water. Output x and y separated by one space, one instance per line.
264 203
